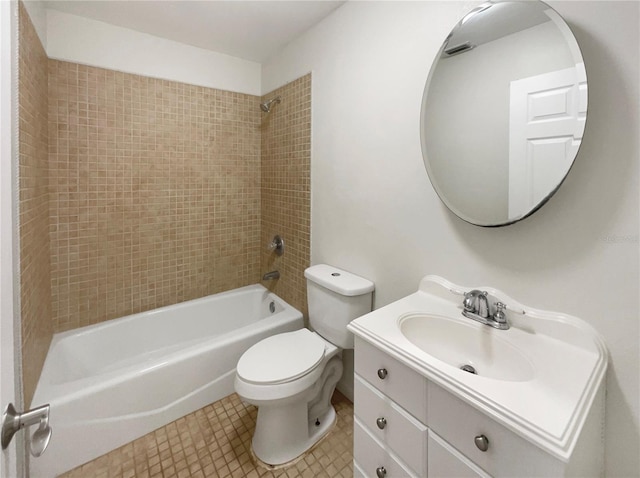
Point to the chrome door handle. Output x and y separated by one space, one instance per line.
12 421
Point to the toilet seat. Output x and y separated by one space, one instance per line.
281 358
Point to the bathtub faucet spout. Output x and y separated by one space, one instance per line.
273 275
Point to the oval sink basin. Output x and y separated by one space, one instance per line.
461 344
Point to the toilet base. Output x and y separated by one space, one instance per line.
275 445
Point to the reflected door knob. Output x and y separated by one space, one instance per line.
381 422
382 373
381 472
482 442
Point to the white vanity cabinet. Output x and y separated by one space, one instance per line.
406 425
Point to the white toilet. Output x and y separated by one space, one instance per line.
291 377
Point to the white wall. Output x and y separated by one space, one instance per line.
375 213
37 11
90 42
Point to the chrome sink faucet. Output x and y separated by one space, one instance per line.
476 306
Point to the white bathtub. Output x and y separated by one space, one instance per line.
113 382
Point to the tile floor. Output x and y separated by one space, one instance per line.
215 441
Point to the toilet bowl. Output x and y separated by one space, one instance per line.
300 364
291 377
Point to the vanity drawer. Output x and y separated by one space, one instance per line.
402 433
403 385
371 456
446 462
507 455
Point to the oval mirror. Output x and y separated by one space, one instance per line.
503 111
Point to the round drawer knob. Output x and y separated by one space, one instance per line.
381 422
381 472
382 373
482 442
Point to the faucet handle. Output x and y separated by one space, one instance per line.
470 300
499 316
277 245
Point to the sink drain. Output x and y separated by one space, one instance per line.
469 368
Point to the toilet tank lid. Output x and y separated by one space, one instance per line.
339 281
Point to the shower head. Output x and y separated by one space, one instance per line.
266 106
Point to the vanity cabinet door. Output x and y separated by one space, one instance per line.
446 462
505 454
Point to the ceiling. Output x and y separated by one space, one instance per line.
252 30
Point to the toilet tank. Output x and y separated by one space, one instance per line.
335 298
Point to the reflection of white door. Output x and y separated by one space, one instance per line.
546 122
8 465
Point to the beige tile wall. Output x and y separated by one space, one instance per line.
286 159
35 275
155 192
